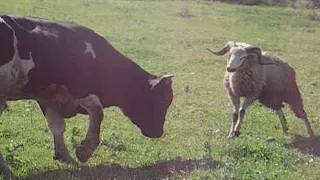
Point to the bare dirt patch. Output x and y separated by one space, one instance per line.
307 145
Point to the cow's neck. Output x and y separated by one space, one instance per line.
125 82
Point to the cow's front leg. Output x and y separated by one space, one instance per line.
4 170
94 108
57 126
3 103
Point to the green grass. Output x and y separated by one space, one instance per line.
171 37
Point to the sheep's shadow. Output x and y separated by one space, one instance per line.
307 145
161 170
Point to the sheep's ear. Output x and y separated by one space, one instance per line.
257 52
254 51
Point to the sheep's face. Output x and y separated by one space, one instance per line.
236 58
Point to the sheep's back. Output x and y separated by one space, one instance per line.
280 79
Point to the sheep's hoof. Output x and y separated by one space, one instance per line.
236 133
230 136
312 136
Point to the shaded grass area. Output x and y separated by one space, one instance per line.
171 37
160 170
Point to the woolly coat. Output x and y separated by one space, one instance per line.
272 84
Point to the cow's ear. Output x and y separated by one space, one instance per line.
165 80
20 31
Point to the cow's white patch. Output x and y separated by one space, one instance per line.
89 49
14 74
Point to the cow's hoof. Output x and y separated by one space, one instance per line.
7 175
83 153
66 159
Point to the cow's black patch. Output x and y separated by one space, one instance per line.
6 44
22 35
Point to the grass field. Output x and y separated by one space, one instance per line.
171 37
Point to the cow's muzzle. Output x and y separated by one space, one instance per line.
152 134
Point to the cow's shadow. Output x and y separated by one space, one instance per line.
161 170
307 145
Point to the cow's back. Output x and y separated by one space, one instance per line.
59 56
79 59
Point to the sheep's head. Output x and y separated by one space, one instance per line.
240 54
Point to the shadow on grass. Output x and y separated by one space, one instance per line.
161 170
307 145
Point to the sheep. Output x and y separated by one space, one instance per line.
254 75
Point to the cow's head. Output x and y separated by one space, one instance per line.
149 107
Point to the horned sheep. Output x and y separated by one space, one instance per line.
253 75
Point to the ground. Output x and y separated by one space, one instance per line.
172 37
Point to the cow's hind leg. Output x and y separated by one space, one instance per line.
57 126
4 170
94 108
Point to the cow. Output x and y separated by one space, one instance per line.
70 69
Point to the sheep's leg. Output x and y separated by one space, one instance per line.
283 121
246 103
57 126
236 105
4 170
308 126
300 113
94 107
296 106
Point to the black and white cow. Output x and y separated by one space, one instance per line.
70 69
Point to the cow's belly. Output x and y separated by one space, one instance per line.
54 96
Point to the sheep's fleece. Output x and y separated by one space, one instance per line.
254 75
